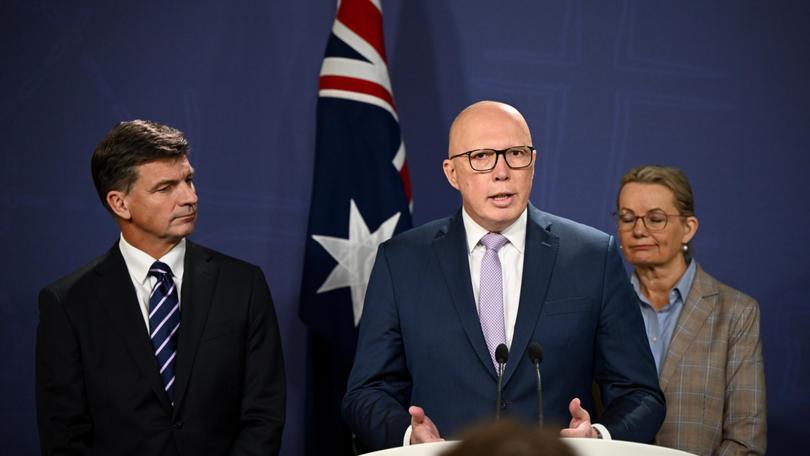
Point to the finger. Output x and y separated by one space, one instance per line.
577 411
574 407
417 414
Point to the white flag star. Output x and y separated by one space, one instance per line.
355 256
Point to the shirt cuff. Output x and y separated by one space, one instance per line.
406 441
602 430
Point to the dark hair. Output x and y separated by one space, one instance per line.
128 145
510 438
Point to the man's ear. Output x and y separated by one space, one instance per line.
116 199
450 173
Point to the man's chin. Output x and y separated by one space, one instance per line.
507 212
183 230
502 219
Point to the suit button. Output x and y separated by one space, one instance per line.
504 404
178 425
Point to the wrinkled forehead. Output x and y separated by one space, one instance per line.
164 168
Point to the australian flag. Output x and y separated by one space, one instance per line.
361 196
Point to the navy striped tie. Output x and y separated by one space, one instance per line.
164 323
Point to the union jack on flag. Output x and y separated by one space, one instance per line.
361 196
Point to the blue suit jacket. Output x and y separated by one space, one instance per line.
421 342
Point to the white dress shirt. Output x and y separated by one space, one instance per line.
138 263
511 257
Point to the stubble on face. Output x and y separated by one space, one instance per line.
162 204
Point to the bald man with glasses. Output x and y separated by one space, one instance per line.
444 296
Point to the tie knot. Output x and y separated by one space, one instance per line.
493 241
160 270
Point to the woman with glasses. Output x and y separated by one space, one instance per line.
704 335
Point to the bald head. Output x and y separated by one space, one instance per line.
494 198
488 124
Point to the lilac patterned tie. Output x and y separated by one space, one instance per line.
490 296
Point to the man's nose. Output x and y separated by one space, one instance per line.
188 193
501 170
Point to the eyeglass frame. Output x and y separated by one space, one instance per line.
498 153
631 226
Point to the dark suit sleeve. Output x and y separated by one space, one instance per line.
379 385
623 364
264 390
62 415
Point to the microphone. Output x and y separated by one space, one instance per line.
501 356
536 355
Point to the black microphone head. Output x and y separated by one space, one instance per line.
535 352
501 354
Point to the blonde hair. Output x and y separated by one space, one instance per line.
671 178
668 176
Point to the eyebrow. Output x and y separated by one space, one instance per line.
172 181
651 210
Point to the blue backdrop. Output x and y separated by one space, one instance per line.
718 88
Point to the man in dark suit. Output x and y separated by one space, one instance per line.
160 346
443 296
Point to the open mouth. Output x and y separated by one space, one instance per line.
502 198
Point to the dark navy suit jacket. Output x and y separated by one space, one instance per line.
98 387
421 342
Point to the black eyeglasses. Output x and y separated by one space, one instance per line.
487 159
655 220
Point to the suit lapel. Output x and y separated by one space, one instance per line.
120 302
450 248
539 257
698 307
199 281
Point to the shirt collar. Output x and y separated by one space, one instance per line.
685 284
515 233
138 262
678 293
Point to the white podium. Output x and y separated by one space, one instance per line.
581 447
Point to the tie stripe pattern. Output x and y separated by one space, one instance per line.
490 296
164 323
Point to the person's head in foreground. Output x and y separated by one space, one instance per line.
509 438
